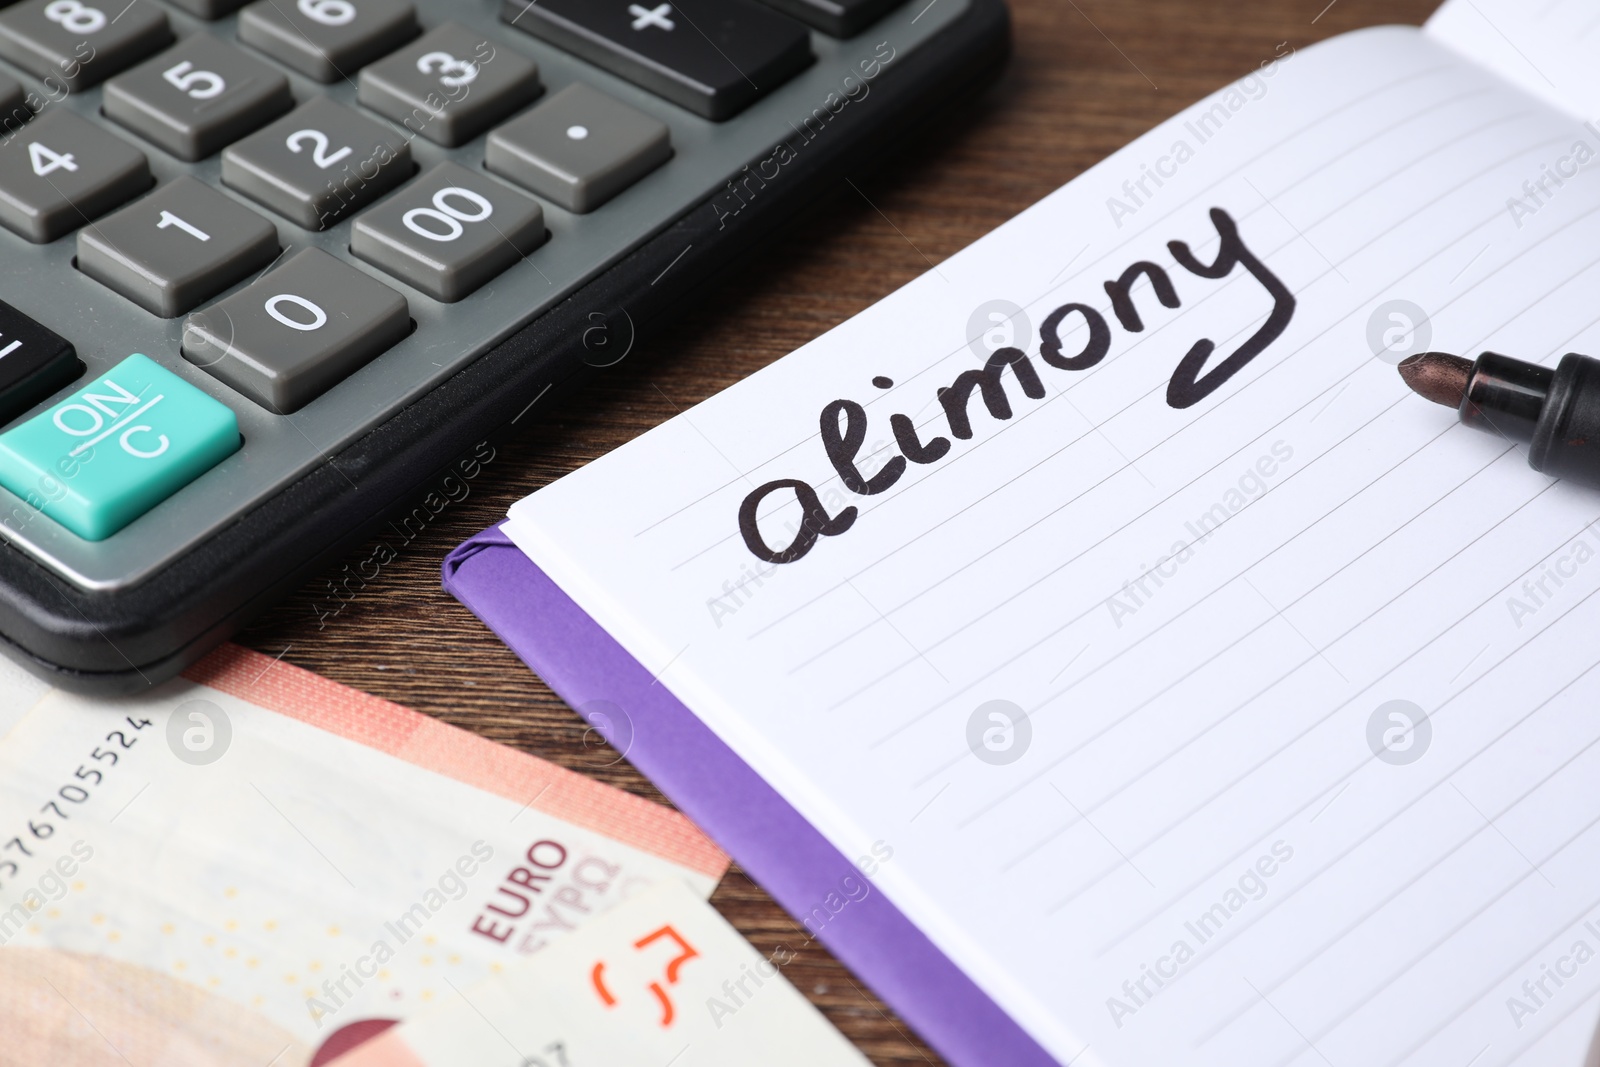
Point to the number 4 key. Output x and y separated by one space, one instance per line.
60 172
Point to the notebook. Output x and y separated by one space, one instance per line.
1221 701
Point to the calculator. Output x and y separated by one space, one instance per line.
273 269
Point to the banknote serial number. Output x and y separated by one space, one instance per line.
87 778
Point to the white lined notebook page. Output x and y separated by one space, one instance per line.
1546 47
1206 612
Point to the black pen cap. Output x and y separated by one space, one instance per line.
1566 441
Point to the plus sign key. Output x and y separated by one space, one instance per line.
714 57
658 17
116 448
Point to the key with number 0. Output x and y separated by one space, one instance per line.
286 338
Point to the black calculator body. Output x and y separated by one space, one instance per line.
273 269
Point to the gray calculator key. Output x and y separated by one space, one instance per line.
60 172
449 231
328 40
318 163
285 339
181 245
197 98
579 148
451 85
81 42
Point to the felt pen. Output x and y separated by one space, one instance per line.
1556 413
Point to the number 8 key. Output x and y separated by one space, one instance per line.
79 42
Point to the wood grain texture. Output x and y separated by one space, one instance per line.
1087 77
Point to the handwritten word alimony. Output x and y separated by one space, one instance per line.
843 424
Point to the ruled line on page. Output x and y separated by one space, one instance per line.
1365 762
1516 1054
1229 786
1517 967
1153 914
1233 933
1448 936
1044 772
1183 745
1053 634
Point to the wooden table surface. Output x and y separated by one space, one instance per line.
1086 77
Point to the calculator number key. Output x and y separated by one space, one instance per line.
451 85
450 232
329 12
75 17
47 160
197 98
198 84
443 221
79 42
453 73
182 244
61 171
318 164
328 40
285 339
316 142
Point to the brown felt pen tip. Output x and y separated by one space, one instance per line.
1437 376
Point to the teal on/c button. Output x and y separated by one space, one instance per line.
116 448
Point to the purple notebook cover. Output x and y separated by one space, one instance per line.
771 840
